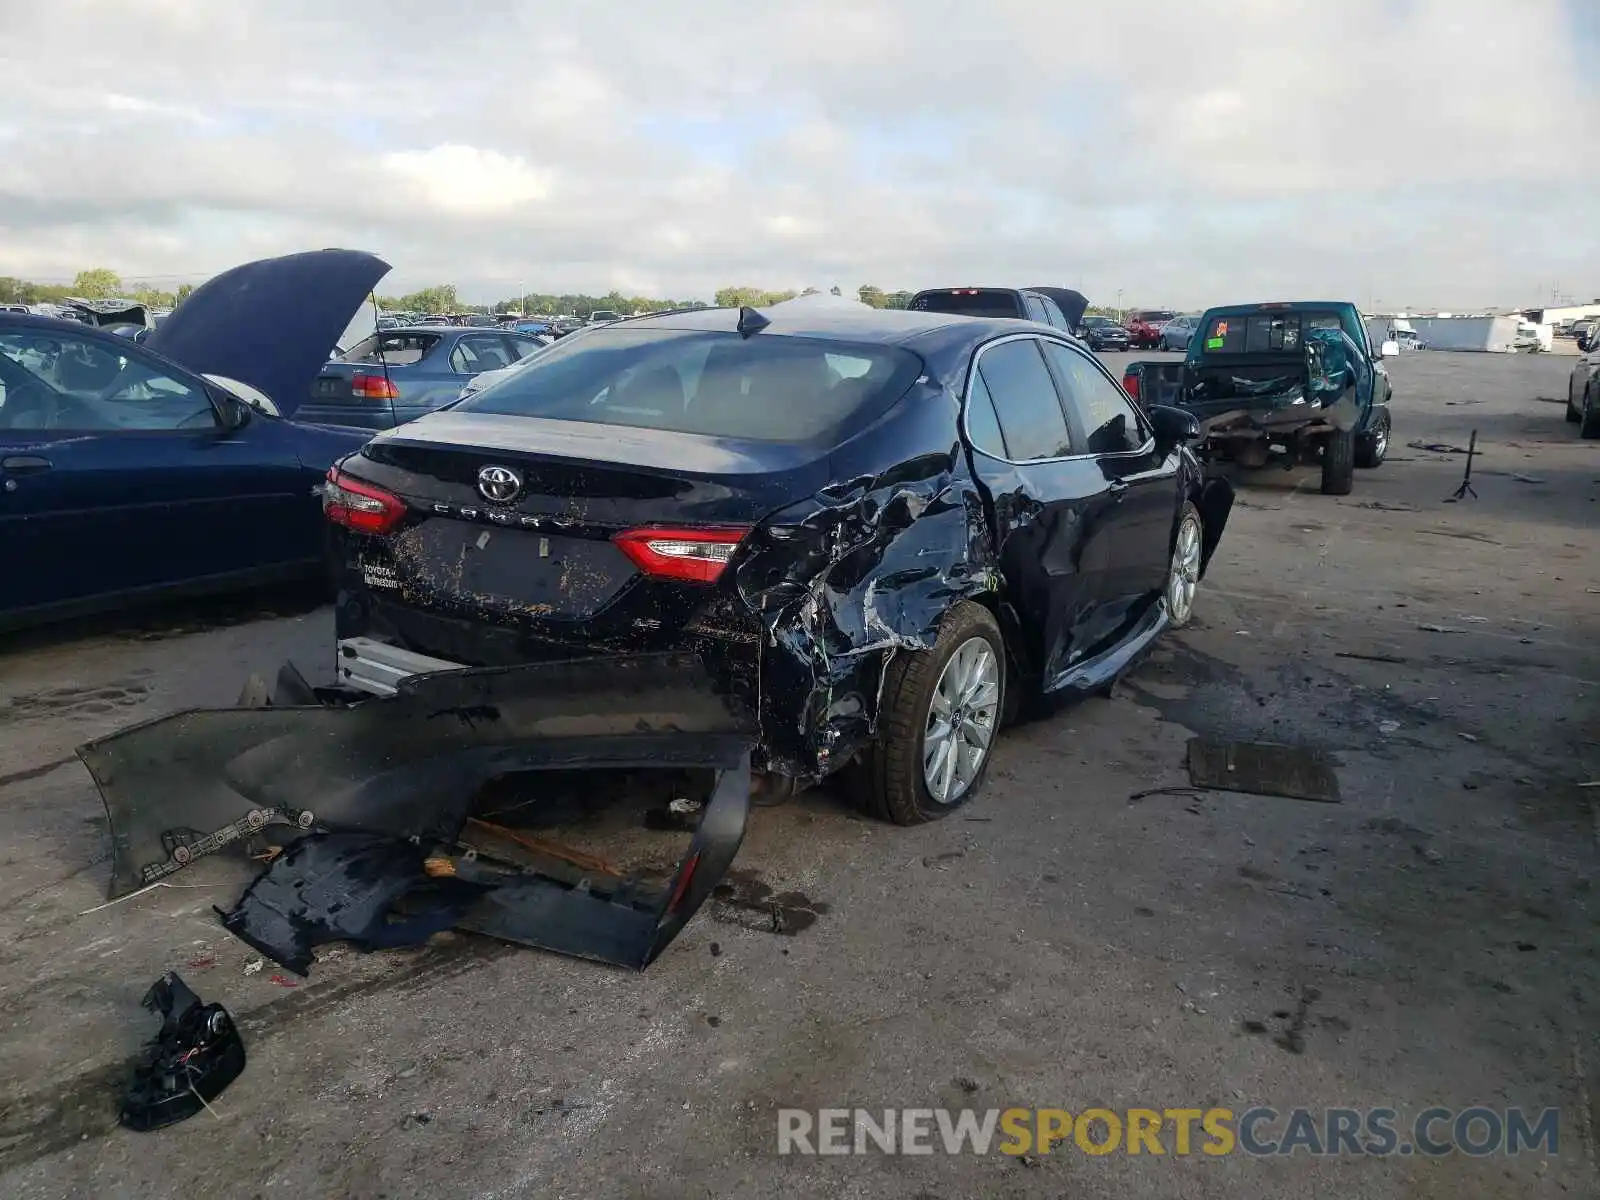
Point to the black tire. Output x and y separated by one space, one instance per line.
891 777
1339 463
1371 449
1573 415
1589 418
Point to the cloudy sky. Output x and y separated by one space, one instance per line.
1399 152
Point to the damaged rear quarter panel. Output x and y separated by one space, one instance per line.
864 569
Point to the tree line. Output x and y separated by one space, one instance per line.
97 283
100 283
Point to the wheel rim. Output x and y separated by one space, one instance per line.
961 721
1380 444
1184 579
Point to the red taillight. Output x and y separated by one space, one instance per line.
373 387
691 555
1130 384
360 506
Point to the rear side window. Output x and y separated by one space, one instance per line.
1035 309
1025 400
983 427
392 349
481 353
763 388
969 302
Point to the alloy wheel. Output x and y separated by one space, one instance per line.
1183 580
963 716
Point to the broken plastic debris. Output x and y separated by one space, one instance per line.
683 806
1388 726
194 1056
250 968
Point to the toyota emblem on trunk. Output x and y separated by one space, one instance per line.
499 484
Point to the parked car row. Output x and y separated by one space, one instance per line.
1583 390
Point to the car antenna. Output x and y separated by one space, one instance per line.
388 384
750 321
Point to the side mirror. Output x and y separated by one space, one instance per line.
1173 426
1388 349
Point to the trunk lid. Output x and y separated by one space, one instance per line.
515 519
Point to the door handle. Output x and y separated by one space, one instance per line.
24 464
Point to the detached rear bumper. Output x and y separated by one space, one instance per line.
408 765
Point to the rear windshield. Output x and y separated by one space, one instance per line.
763 388
396 349
969 302
1153 316
1264 332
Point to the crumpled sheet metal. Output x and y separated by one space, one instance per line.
181 786
869 568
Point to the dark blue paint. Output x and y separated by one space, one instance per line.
92 518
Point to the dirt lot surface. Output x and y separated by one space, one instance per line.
1430 940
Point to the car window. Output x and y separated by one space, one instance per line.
396 349
982 425
1109 423
1025 400
479 353
521 347
53 381
968 302
1033 308
781 389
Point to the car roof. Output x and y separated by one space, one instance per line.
1277 306
943 340
885 325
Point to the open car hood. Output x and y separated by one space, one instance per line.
1071 303
271 323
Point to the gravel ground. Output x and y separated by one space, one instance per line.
1430 940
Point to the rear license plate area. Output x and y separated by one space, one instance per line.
525 572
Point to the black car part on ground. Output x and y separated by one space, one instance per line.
195 1055
409 767
348 887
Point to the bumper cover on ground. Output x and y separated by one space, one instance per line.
409 767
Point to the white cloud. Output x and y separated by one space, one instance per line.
1418 150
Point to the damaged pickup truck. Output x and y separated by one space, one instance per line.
1295 383
862 538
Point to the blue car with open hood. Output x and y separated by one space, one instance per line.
173 465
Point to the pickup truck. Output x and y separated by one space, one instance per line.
1291 383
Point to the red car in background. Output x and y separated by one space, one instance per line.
1144 326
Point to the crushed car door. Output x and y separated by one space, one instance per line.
1041 497
1141 483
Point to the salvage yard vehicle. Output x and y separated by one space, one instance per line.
1059 308
1177 333
129 471
1583 394
397 375
1102 333
1292 383
1144 326
881 530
